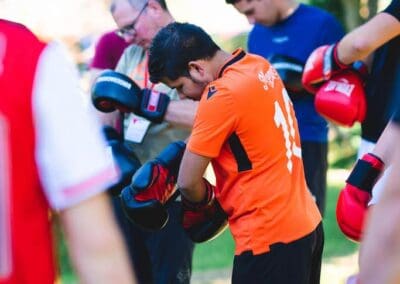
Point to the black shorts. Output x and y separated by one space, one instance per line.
296 262
315 161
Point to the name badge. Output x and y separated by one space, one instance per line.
137 128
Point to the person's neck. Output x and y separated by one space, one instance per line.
218 61
288 9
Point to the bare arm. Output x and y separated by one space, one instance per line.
182 112
387 142
363 40
380 254
190 179
95 244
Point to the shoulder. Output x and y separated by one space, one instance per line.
133 51
240 76
132 56
258 29
17 31
217 94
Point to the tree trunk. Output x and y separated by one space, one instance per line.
351 10
372 7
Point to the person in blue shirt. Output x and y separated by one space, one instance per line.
286 32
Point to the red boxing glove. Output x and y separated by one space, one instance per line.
342 99
320 66
353 200
205 220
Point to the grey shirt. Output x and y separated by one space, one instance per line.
133 63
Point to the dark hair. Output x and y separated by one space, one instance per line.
231 1
163 4
174 47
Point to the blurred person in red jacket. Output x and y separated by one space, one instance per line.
52 157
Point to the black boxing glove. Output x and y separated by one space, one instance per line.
115 91
153 185
124 157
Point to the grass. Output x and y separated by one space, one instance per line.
336 244
215 254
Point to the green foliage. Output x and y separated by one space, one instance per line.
66 271
336 244
333 6
343 145
233 42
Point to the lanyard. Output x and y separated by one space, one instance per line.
146 74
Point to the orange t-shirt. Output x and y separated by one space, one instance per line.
246 124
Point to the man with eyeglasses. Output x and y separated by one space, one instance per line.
164 256
130 28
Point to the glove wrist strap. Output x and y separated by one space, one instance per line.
208 197
366 172
338 65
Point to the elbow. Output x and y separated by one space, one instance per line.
362 47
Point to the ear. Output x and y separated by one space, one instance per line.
197 70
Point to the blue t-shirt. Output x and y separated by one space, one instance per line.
297 36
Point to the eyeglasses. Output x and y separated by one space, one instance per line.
130 29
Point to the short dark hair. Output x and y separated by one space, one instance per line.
174 47
231 1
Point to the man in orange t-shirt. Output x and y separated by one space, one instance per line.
246 127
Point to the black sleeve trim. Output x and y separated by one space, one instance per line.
242 160
393 9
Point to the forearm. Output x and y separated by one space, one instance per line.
362 41
95 244
380 251
194 191
387 142
181 112
190 179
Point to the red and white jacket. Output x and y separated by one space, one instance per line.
52 155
